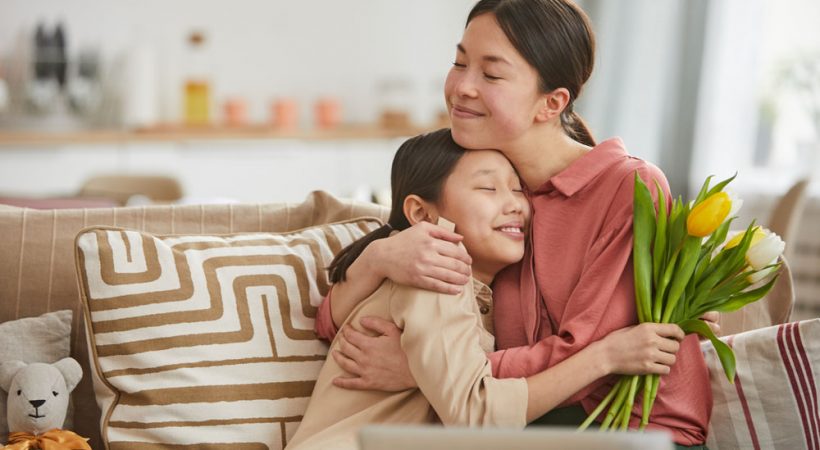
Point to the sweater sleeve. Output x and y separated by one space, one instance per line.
602 300
441 339
324 326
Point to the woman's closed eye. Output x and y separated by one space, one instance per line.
459 65
491 77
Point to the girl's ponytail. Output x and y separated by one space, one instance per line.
337 271
420 167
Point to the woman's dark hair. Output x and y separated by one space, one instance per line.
421 166
556 38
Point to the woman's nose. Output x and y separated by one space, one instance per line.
465 85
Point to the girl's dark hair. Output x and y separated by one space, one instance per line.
420 167
556 38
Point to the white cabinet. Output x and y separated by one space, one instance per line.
248 170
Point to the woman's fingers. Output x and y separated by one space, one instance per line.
441 233
379 325
455 252
349 350
347 364
436 285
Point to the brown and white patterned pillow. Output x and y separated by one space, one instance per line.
205 341
773 402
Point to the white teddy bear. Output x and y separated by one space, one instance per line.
38 400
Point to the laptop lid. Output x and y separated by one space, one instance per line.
380 437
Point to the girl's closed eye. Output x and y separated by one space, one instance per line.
486 188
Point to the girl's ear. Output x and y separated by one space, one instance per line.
418 210
552 104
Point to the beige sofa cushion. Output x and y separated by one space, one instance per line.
37 257
773 401
206 340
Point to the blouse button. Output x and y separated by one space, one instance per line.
484 309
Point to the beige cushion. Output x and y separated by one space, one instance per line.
43 339
773 401
37 257
206 340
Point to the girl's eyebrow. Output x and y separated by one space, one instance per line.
483 172
488 58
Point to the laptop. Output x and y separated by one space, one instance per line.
383 437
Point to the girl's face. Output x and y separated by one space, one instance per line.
483 197
491 91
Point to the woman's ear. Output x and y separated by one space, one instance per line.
418 210
552 104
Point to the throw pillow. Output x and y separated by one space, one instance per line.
44 339
773 402
205 341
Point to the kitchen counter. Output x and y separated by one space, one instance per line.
9 139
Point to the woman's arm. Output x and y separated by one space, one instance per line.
425 256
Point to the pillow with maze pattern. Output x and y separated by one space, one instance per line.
205 341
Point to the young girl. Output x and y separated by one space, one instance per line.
446 337
518 70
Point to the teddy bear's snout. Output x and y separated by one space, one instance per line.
36 403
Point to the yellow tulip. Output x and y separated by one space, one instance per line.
707 215
756 237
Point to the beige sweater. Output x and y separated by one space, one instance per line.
445 338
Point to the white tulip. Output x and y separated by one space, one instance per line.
765 251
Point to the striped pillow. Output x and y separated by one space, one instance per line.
773 402
205 341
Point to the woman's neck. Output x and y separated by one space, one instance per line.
542 154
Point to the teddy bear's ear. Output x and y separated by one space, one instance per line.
8 370
71 370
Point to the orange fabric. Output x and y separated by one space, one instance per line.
50 440
575 286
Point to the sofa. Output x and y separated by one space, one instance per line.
163 371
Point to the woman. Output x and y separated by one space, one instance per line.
446 337
519 68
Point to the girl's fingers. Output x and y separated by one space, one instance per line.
670 330
667 359
669 346
660 369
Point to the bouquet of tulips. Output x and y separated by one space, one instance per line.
684 266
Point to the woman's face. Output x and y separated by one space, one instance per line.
491 91
483 197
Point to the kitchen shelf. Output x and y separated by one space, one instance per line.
183 134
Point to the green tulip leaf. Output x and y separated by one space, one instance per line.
724 352
719 187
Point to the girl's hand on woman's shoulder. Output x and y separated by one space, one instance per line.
425 256
648 348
